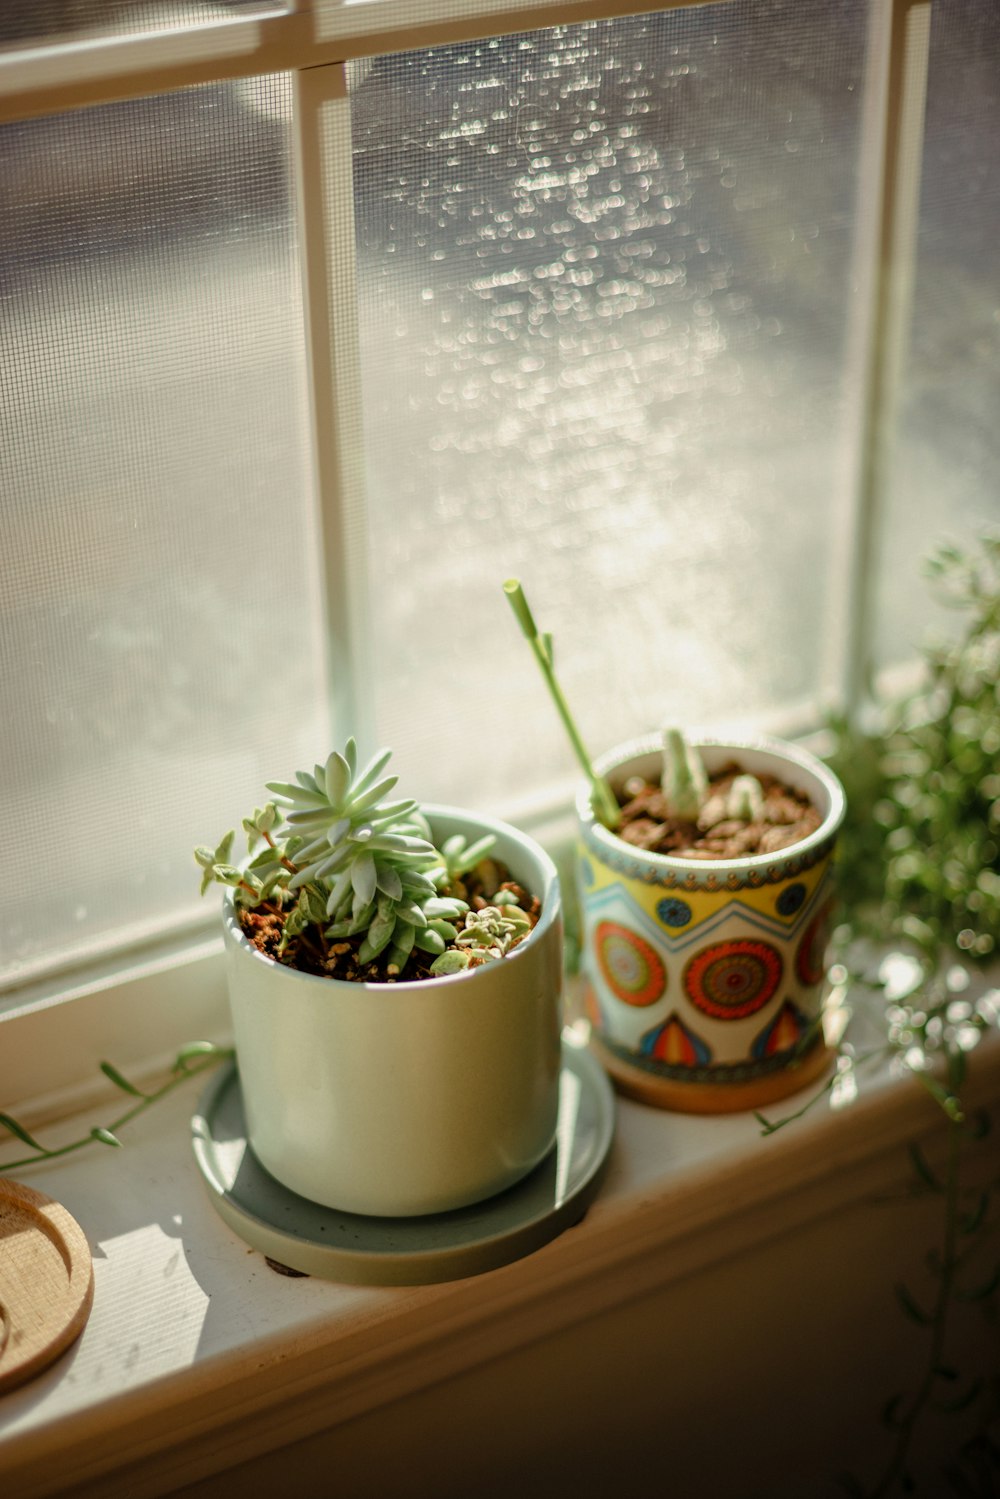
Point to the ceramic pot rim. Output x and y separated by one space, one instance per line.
480 824
781 749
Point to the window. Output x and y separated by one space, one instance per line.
161 645
602 275
602 304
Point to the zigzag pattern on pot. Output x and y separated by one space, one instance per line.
614 902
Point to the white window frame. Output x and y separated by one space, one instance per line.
137 1009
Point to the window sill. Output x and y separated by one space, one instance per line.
198 1357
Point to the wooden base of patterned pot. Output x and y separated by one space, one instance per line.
699 1097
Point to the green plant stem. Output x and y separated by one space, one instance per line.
605 801
320 953
949 1261
181 1074
323 951
264 905
771 1126
284 860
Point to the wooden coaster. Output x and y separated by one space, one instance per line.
46 1282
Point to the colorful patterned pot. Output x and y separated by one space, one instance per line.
704 978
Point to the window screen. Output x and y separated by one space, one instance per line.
604 285
159 633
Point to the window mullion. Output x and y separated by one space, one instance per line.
325 210
900 53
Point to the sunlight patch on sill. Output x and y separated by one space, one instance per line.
149 1307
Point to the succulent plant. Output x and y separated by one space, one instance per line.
460 855
745 799
486 935
684 782
340 861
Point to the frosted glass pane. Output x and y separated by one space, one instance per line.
35 20
604 281
159 641
947 449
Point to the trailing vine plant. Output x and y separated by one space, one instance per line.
191 1061
918 870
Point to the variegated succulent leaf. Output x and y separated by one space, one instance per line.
506 898
494 930
453 960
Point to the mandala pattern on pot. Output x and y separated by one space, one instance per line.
731 980
631 967
810 959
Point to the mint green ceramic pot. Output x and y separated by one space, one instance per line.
407 1098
